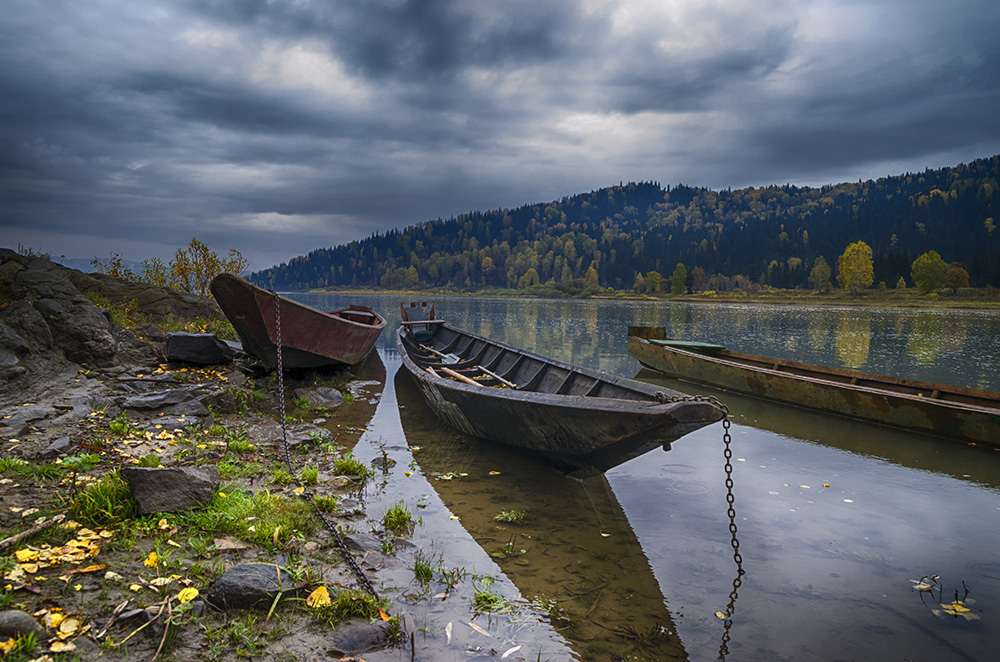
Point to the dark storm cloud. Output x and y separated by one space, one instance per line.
276 127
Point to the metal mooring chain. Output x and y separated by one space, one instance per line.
727 440
287 458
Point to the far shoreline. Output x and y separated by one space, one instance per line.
966 299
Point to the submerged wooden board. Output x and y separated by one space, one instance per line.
964 414
581 420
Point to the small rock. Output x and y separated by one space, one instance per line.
321 396
357 636
250 585
15 623
356 387
197 348
56 448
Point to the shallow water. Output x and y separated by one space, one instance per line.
834 516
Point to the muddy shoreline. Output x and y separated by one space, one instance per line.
82 398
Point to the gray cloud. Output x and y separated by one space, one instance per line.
276 127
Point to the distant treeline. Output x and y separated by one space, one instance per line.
768 236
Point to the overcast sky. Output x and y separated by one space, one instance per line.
279 126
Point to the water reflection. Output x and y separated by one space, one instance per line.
835 516
852 340
572 551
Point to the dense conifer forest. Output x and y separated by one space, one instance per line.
728 239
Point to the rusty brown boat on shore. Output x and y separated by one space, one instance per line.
310 338
582 421
964 414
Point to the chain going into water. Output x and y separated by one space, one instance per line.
287 458
727 440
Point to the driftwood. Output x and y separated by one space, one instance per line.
30 532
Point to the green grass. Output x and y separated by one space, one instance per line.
398 518
281 476
120 426
422 568
237 442
485 601
350 604
512 516
105 503
310 475
348 465
263 518
241 636
326 503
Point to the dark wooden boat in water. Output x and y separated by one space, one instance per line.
581 420
964 414
310 338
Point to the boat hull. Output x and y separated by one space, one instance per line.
967 415
579 434
310 338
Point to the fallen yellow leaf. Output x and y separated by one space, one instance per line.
26 555
298 490
62 647
163 524
134 587
187 595
151 560
320 597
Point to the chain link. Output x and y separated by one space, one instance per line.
727 452
287 459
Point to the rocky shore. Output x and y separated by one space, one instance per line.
155 508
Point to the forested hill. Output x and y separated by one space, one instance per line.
769 236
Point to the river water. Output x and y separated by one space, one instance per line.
834 517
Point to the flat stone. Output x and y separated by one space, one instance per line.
251 585
197 348
172 489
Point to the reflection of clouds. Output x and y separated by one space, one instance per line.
810 553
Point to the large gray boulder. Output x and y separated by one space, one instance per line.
173 489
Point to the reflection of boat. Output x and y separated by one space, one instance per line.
310 338
582 420
901 447
964 414
572 551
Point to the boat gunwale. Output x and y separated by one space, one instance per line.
567 401
734 360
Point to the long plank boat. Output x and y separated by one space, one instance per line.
963 414
310 338
582 421
570 542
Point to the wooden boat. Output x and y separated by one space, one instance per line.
581 420
964 414
310 338
580 550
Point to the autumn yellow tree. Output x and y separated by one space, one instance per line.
855 267
191 270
